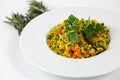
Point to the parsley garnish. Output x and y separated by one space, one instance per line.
72 36
89 29
72 25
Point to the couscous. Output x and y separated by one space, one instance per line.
78 38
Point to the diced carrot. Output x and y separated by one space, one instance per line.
86 54
99 35
94 54
77 55
74 56
96 38
50 42
69 50
57 32
106 32
85 42
77 48
65 21
61 27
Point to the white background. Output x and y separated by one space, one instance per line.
13 65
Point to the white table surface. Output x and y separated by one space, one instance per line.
13 65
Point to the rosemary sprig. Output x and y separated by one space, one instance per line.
35 9
19 21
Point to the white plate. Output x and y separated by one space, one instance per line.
34 47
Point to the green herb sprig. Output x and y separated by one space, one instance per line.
35 9
73 27
89 29
19 21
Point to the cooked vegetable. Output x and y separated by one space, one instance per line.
79 38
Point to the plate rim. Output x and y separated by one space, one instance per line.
53 72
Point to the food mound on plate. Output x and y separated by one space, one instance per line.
78 38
